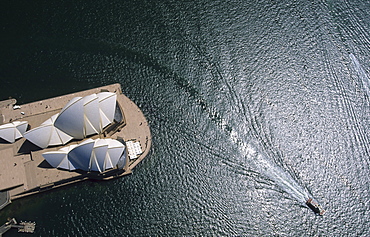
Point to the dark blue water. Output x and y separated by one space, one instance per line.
253 105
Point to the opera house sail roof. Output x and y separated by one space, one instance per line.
12 131
79 118
90 155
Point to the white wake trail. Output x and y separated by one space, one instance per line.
361 73
265 166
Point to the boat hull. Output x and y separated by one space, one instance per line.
315 207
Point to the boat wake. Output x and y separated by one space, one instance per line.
243 114
361 73
263 164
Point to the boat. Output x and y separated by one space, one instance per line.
315 207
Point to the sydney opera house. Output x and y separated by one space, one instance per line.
80 118
94 134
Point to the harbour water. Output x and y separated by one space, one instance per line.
254 106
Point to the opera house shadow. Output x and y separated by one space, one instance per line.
44 164
2 141
27 147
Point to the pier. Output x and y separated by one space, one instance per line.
23 226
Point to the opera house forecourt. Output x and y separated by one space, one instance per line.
94 134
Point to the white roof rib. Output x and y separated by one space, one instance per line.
108 164
91 112
107 105
64 137
100 151
21 128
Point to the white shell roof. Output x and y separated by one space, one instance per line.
12 131
71 118
90 155
79 118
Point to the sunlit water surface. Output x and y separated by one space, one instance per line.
253 108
